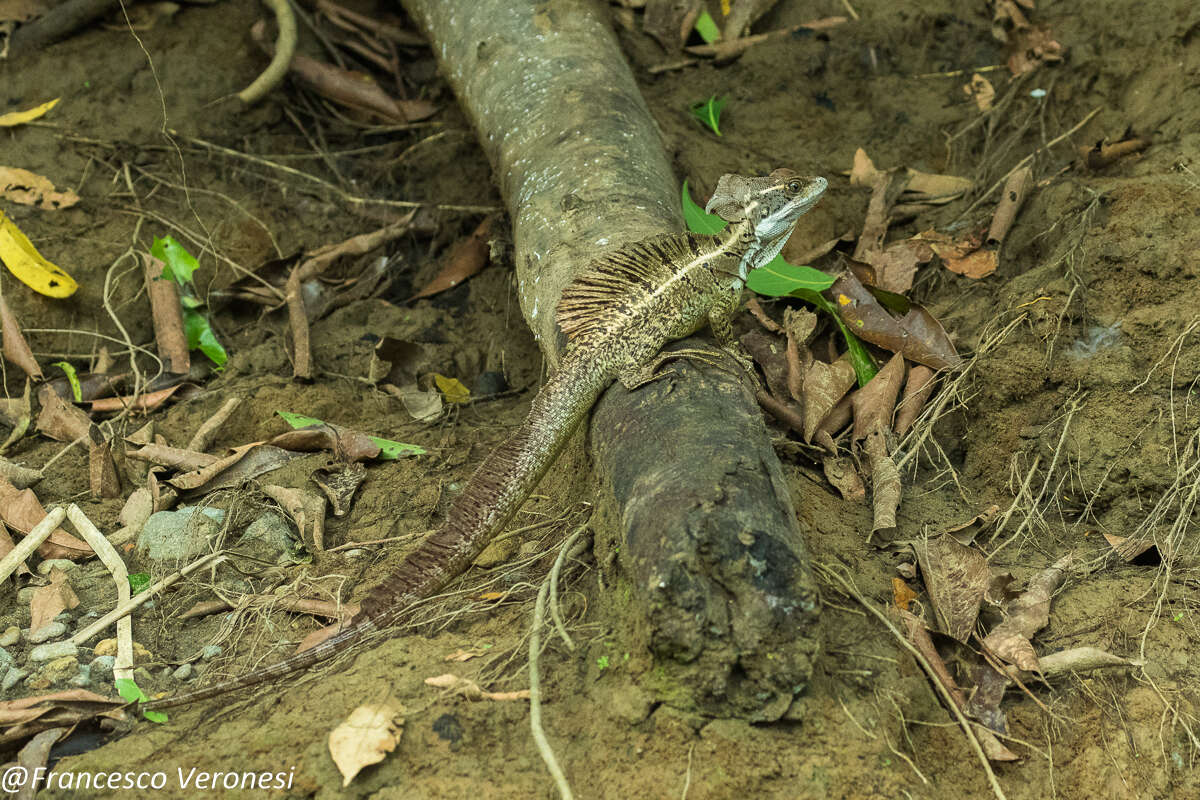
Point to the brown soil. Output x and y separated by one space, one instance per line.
1097 283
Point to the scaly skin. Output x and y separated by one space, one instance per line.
618 316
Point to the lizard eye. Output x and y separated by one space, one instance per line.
793 187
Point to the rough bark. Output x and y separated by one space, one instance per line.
712 549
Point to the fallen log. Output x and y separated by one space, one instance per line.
716 565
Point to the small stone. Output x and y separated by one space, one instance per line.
6 659
84 678
498 553
357 552
65 564
53 650
11 635
108 647
143 678
101 668
184 672
51 630
179 534
12 678
38 682
60 669
25 594
210 652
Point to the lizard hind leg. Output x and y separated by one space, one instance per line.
640 374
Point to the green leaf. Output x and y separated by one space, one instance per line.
139 582
72 378
707 29
388 450
780 279
131 692
860 359
179 263
697 220
709 112
200 337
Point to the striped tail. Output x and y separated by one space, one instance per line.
492 496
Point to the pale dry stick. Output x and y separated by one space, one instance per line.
851 717
126 607
349 198
850 10
1075 403
535 696
285 48
1026 160
24 548
555 612
204 435
852 590
123 668
1178 343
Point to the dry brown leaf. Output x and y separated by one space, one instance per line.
468 257
174 457
769 351
48 601
461 655
864 172
167 314
103 480
824 386
956 578
347 444
981 92
918 336
928 187
57 708
1100 155
22 186
918 387
885 483
306 509
979 264
841 474
339 486
1025 616
896 264
1030 47
21 511
421 405
59 419
902 594
365 738
874 403
143 402
16 348
1128 549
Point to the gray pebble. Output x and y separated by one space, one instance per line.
355 553
65 564
51 630
84 678
6 659
185 672
102 668
53 650
24 595
12 678
11 635
210 652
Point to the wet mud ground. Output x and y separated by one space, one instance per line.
1087 376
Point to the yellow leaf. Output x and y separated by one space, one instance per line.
452 389
20 117
24 261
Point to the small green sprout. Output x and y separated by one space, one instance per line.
709 112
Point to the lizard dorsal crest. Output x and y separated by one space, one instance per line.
612 284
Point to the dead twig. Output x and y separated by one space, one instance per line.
285 48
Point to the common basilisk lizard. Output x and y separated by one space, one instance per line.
617 316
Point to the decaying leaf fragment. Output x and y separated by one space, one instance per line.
956 577
365 738
1025 616
28 188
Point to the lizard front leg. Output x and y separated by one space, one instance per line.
720 320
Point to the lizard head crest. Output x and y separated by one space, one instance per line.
770 205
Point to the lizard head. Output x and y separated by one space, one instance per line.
767 208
